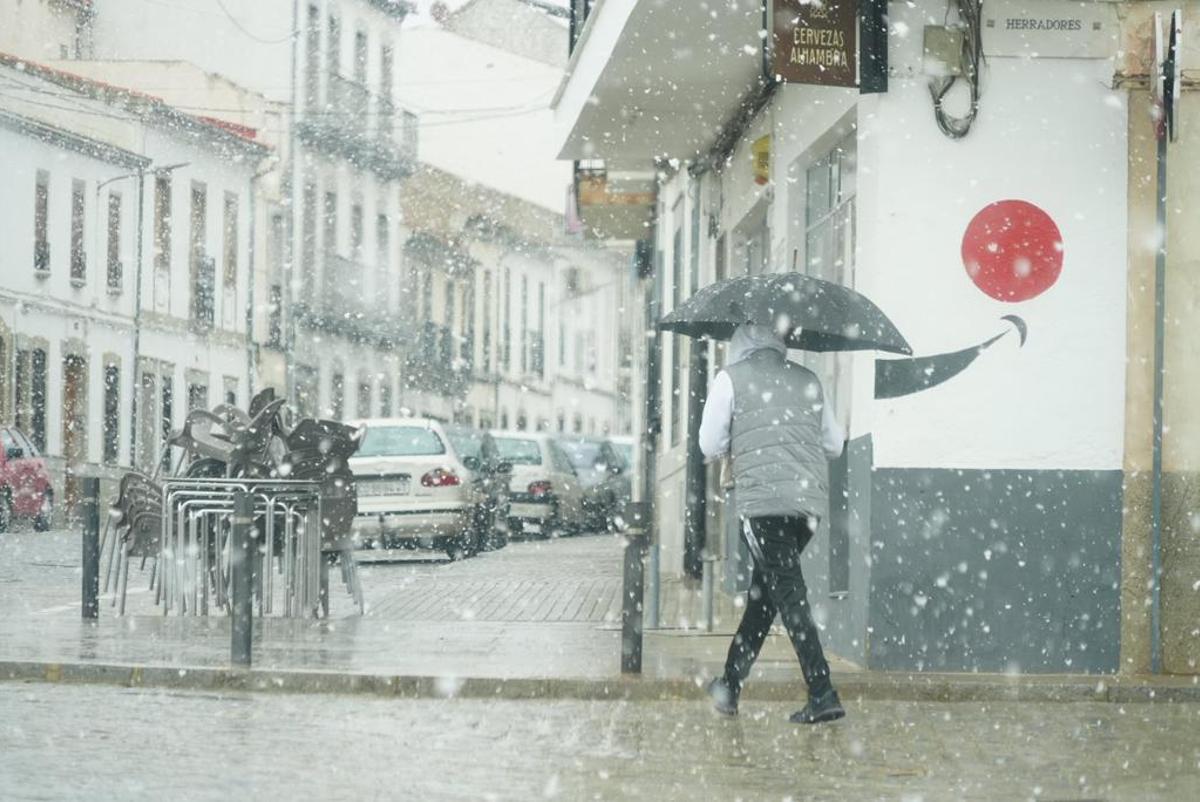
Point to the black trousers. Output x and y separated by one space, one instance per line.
777 587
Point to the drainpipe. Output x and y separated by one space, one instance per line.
251 349
1160 290
291 186
695 489
651 429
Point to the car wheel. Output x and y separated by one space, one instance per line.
5 512
42 522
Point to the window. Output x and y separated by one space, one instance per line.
467 351
30 387
229 233
115 270
306 389
275 316
524 325
308 245
111 425
383 257
385 396
360 57
329 239
334 58
356 231
505 322
386 70
312 55
167 402
162 222
539 342
78 254
337 396
203 269
408 134
41 222
230 386
197 395
364 397
694 232
486 346
401 441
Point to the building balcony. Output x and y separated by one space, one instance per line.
342 305
430 363
344 127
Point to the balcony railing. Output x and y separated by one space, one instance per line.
204 285
343 127
431 365
343 305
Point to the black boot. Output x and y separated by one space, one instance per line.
725 698
821 707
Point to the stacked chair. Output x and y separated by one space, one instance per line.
304 495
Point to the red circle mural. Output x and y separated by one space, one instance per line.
1012 250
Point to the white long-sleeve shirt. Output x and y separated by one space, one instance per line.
717 421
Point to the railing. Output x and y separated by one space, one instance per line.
41 257
115 277
344 304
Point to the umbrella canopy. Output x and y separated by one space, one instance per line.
821 315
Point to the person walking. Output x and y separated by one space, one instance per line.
772 417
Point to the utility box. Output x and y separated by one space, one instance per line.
943 51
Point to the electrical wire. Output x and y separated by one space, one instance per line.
971 60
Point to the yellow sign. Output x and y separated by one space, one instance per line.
760 151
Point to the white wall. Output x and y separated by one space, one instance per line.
1050 132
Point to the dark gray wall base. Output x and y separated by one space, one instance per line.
997 570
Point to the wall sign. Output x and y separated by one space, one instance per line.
815 41
1050 29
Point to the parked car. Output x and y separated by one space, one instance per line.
489 478
604 470
413 489
545 495
25 489
586 458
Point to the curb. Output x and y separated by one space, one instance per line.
864 686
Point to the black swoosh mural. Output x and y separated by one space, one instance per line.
900 377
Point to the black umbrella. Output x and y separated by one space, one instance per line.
823 316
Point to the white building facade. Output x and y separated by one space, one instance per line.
977 516
123 301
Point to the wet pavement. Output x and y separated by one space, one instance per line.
537 609
64 742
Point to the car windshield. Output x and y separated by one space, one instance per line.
582 453
519 452
400 441
465 442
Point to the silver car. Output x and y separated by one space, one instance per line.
545 495
413 489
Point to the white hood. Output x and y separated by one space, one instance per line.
750 337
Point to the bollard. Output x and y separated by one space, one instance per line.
89 506
635 521
241 571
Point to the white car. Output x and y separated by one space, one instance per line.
544 494
413 489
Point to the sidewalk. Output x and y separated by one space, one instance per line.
534 619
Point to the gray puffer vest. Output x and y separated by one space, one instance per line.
779 464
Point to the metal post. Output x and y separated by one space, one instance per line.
241 567
90 504
651 429
1160 289
696 476
634 518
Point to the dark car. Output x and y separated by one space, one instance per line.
25 489
489 475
